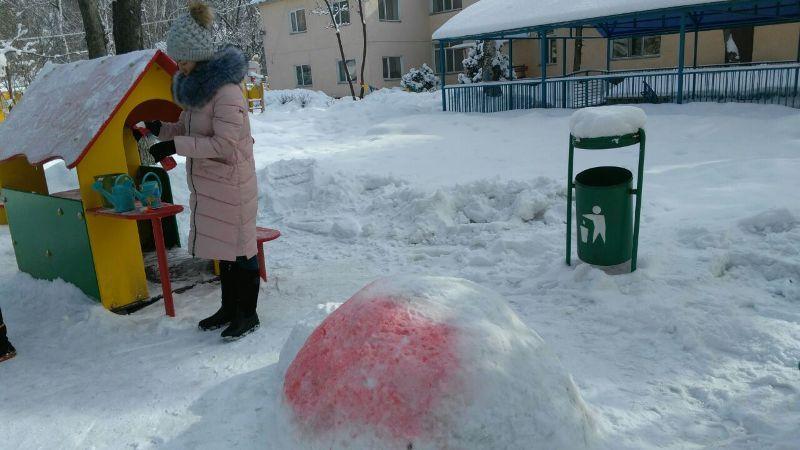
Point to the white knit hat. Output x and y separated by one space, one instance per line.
190 37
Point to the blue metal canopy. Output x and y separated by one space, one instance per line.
704 16
709 16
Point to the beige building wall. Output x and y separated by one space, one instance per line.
410 39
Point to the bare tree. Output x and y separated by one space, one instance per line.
93 26
364 47
127 18
336 15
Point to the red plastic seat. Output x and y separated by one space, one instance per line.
264 235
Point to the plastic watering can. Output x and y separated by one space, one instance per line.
121 195
150 191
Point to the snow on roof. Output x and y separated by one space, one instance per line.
489 16
606 121
67 106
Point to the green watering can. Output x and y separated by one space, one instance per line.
121 195
150 191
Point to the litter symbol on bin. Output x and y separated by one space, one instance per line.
598 224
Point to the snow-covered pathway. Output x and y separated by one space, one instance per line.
697 349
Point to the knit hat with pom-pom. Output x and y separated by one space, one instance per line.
190 37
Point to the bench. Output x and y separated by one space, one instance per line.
523 69
264 235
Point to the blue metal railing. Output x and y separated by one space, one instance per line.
767 84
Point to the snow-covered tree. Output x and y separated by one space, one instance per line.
485 62
420 80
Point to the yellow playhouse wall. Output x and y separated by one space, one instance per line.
115 243
18 174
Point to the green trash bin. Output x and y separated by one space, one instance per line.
604 216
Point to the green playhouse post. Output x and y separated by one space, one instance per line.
603 206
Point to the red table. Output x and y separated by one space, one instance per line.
154 216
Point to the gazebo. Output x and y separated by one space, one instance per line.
516 20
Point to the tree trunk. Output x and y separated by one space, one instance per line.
489 52
576 64
127 18
341 48
95 34
364 52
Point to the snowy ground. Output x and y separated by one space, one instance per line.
698 349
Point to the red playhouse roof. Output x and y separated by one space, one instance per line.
67 106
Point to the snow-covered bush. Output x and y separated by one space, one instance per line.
482 60
420 80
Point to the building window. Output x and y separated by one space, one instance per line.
388 10
453 57
303 75
298 19
445 5
351 69
341 12
637 47
392 68
552 56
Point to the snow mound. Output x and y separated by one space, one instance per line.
294 99
603 121
429 363
772 221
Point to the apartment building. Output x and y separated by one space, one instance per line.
302 50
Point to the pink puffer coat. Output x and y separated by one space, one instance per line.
220 170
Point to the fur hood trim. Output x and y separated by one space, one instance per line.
228 66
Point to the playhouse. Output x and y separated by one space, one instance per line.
81 113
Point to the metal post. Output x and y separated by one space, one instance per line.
511 56
639 184
570 186
608 55
797 71
681 57
564 72
511 73
694 63
543 54
443 63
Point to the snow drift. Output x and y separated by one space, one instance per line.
423 362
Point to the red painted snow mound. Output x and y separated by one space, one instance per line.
428 363
379 354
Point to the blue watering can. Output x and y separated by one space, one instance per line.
121 195
150 191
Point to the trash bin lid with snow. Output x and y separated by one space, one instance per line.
423 362
591 127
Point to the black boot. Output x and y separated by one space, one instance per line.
227 281
7 351
246 320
